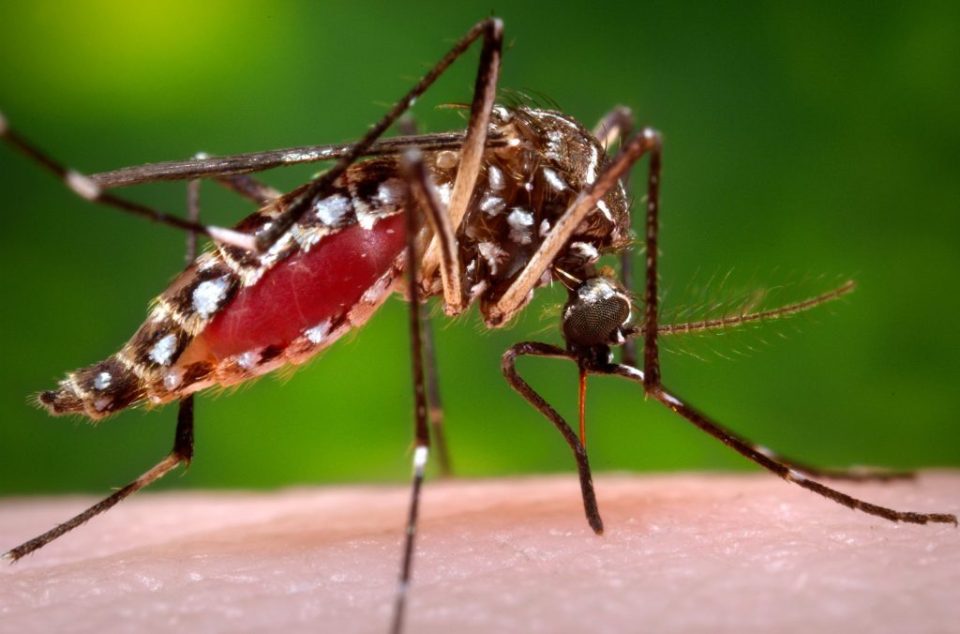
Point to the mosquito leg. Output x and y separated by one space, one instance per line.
411 165
92 188
407 125
182 442
193 215
852 474
451 273
249 187
439 219
89 189
246 186
768 460
434 402
858 474
616 125
508 366
629 349
647 141
182 453
651 352
491 30
471 155
451 269
214 166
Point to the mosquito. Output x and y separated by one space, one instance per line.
523 198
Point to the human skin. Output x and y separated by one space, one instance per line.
681 553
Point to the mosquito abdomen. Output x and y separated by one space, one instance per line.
312 292
95 391
233 315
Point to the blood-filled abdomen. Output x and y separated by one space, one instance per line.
309 288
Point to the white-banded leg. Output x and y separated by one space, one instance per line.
93 189
89 189
471 155
452 280
612 129
491 30
407 125
417 189
422 200
182 452
209 167
787 470
854 474
651 328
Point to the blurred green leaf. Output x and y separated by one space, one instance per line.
800 141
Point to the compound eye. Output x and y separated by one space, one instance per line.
595 313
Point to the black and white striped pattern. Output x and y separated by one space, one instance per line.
157 364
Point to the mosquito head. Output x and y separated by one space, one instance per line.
595 316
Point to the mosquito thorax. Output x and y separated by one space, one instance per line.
595 316
560 154
524 188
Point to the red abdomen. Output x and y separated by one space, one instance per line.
306 289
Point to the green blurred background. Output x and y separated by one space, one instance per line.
800 142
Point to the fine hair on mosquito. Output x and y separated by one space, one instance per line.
525 197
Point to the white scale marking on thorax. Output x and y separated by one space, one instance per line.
585 250
544 228
591 174
444 191
495 178
492 205
554 179
602 206
520 221
493 255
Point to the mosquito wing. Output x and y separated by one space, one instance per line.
207 167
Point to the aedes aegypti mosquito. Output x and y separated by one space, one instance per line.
525 197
